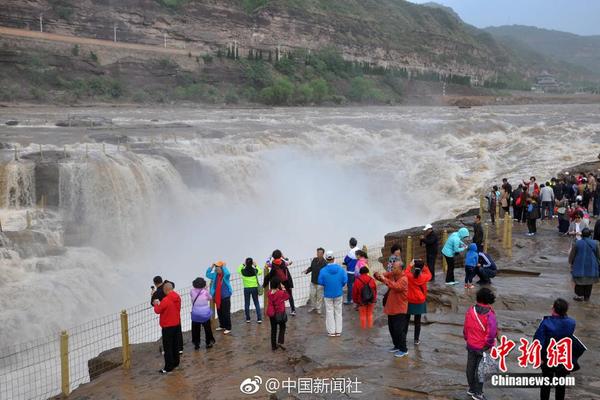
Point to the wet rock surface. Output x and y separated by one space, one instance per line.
530 280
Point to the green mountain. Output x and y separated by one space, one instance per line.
583 51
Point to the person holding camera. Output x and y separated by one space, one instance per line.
201 313
157 293
221 291
250 272
277 296
417 275
278 266
169 309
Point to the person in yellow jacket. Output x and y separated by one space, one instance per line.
249 273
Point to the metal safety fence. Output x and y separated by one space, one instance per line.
58 364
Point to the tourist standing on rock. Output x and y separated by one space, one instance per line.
556 326
432 243
504 202
333 278
277 296
250 272
563 216
533 213
478 233
517 200
362 260
417 275
584 259
364 294
486 269
453 247
577 226
201 313
493 197
471 262
531 187
278 266
221 291
479 331
395 254
350 263
169 309
547 198
395 306
158 293
316 290
507 187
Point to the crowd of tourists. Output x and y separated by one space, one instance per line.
405 286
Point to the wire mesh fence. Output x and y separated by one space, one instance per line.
33 370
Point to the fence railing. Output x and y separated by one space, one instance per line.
59 363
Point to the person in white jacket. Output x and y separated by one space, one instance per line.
547 199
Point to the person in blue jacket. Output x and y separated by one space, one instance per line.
221 291
471 262
350 262
333 278
557 326
454 246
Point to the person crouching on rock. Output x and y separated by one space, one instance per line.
479 331
417 275
486 269
395 305
170 319
221 291
277 296
201 313
364 295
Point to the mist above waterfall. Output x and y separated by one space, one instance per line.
240 183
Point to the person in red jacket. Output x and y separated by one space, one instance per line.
395 305
365 299
417 275
276 312
169 309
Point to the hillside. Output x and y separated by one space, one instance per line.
276 52
583 51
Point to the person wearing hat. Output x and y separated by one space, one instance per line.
584 259
333 278
432 243
221 291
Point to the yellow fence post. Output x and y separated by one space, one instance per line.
409 250
265 297
505 232
65 383
486 237
444 240
510 228
481 208
497 218
125 339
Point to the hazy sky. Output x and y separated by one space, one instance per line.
577 16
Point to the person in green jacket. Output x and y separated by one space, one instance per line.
453 246
250 272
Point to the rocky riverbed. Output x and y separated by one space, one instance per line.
528 282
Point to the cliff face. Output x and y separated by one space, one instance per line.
386 32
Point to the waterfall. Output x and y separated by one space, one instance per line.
17 184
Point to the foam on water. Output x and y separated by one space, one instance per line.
285 178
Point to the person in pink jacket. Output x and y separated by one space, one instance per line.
276 312
480 330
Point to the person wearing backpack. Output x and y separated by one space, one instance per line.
417 276
584 259
277 296
480 330
201 313
364 295
533 213
493 198
250 272
558 326
278 266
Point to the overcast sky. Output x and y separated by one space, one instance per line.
577 16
